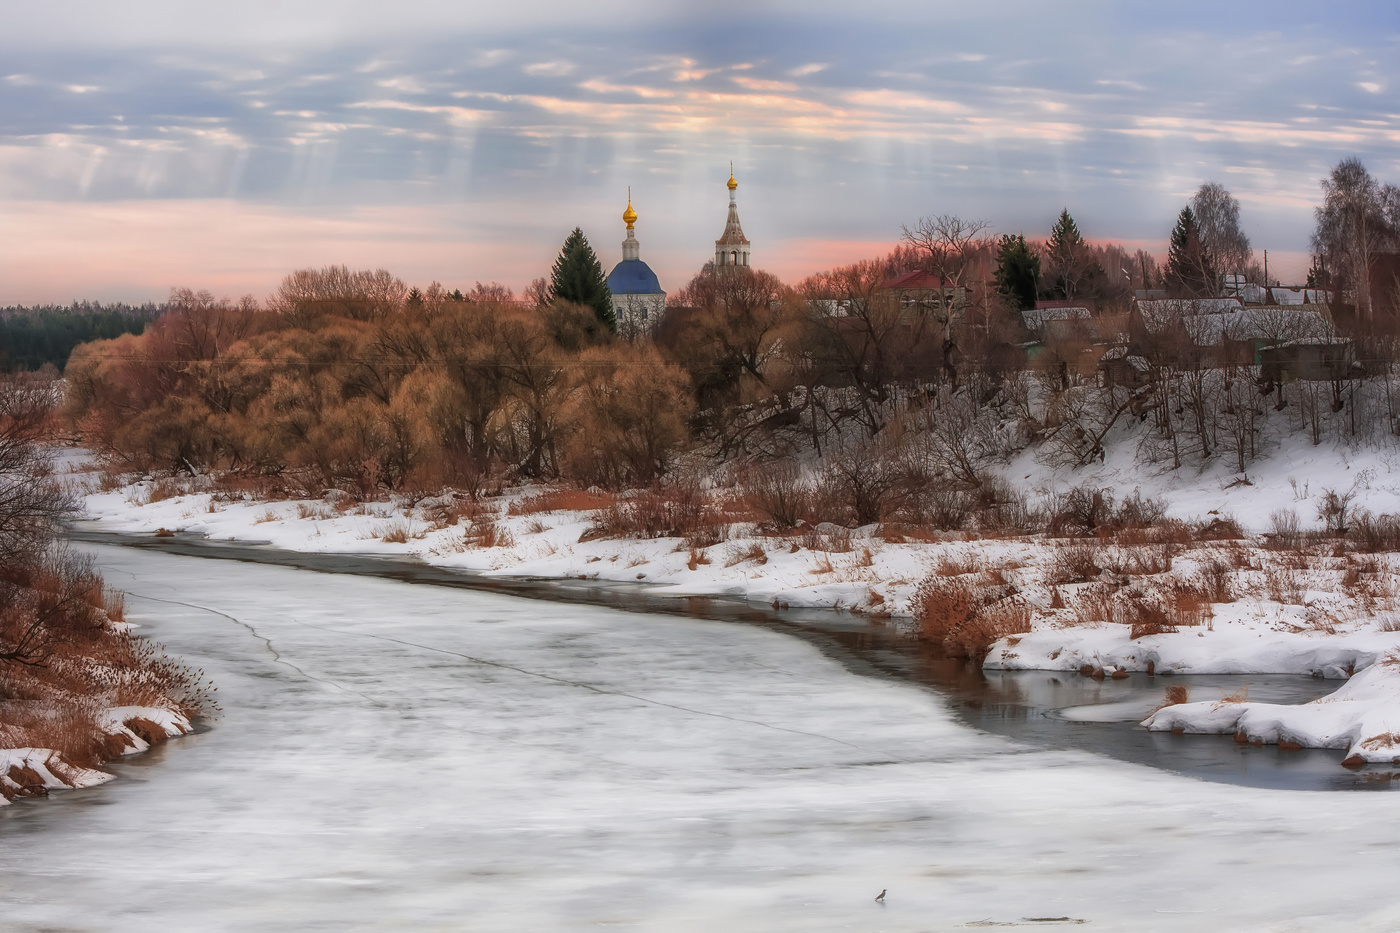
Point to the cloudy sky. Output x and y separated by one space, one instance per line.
150 144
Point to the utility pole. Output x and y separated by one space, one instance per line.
1266 268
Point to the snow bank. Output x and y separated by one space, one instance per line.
872 576
125 721
36 771
1240 650
1363 717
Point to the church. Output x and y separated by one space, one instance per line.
638 299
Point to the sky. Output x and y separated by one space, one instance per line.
150 144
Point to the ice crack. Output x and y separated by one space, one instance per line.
582 685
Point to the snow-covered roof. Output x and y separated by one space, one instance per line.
1269 324
1298 296
1036 318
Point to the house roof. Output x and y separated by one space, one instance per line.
1271 325
917 279
1036 318
1298 296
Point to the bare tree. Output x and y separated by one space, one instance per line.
1352 226
32 504
952 246
1218 224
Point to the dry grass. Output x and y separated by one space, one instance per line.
1137 560
562 500
898 533
1284 585
75 664
485 532
1217 578
958 565
753 552
162 489
829 541
1176 695
395 532
1074 563
1239 696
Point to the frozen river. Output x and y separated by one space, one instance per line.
392 756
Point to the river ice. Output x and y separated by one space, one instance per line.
392 756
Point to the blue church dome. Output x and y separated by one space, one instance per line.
633 277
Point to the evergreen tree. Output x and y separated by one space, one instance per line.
1189 270
1018 271
577 276
1069 261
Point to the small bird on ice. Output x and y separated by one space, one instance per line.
881 896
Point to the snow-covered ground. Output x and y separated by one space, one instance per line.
397 757
1291 475
1363 717
1330 616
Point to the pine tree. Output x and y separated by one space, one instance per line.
577 276
1188 267
1018 271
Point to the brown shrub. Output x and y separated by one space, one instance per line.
1145 614
830 540
1095 605
1143 560
395 533
1216 576
1374 533
1221 528
965 620
1191 603
673 511
778 491
1284 585
1074 563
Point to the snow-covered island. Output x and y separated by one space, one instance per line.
1183 572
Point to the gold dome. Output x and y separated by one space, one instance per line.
629 216
731 184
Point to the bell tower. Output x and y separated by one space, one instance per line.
732 248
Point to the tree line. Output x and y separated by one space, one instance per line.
353 379
34 337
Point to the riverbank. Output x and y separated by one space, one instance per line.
1204 597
